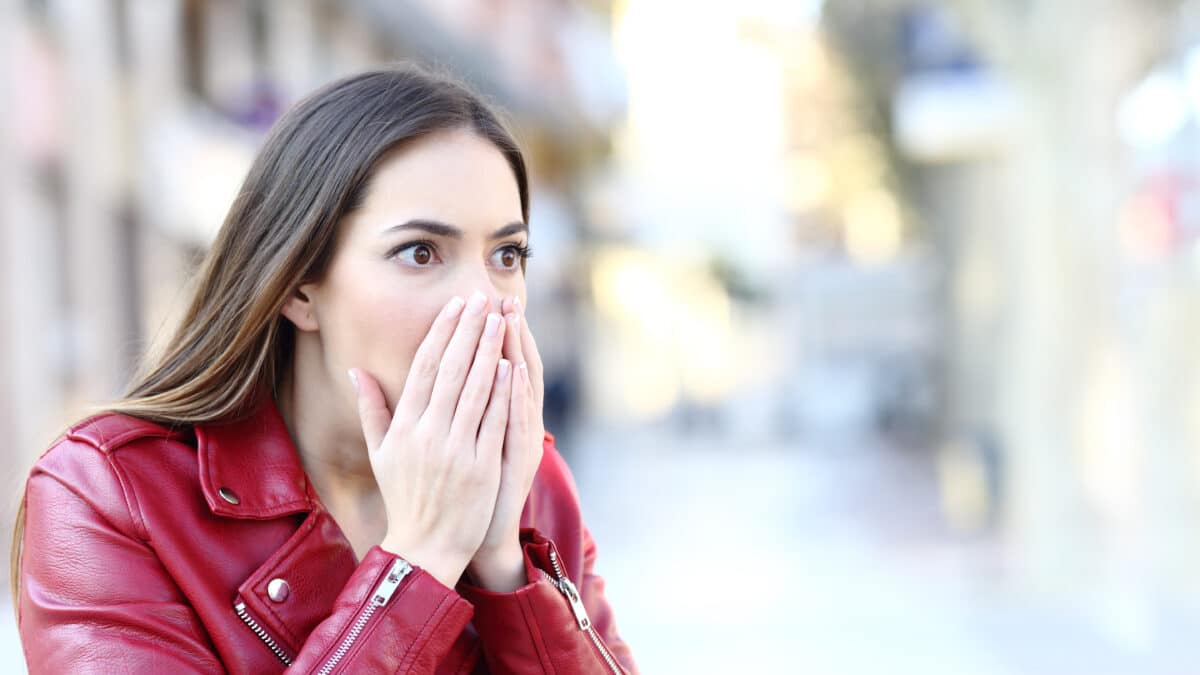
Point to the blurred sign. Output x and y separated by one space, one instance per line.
949 106
945 117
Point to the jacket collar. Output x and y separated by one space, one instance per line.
250 468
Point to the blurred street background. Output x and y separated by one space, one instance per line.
869 325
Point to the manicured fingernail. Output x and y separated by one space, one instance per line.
524 371
502 370
478 300
454 307
353 380
517 303
513 320
492 326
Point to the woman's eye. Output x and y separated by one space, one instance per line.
422 255
416 254
509 257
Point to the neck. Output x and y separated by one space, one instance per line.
327 437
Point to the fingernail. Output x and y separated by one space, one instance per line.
524 371
353 380
502 370
478 300
492 326
514 320
454 307
517 302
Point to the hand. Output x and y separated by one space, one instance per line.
498 565
437 458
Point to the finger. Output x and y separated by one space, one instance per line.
495 418
468 411
517 435
456 363
532 357
373 413
419 383
512 339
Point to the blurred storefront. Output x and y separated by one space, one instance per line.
754 236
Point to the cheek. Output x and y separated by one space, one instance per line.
391 338
381 331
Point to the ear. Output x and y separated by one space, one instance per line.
301 310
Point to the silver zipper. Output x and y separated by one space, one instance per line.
568 589
383 593
269 641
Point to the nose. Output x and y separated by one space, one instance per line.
480 281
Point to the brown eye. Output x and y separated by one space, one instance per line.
422 255
510 258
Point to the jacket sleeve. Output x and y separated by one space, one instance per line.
95 598
548 626
412 632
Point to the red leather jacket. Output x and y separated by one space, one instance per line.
148 549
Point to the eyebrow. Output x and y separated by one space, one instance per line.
441 229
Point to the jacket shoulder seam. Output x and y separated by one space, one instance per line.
107 447
131 502
86 432
82 496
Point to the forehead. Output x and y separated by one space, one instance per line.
456 177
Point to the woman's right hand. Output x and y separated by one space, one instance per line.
437 457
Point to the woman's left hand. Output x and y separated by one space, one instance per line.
499 564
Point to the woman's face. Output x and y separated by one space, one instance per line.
441 217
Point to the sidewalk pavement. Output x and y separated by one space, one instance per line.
723 556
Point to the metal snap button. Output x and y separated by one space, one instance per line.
229 495
278 590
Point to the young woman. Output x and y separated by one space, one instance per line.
337 465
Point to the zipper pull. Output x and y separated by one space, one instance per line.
391 582
568 589
564 585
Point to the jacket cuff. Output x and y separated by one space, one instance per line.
534 627
412 632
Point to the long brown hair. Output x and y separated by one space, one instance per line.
314 167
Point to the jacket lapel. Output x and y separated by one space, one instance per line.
249 469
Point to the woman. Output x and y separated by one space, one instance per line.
248 507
